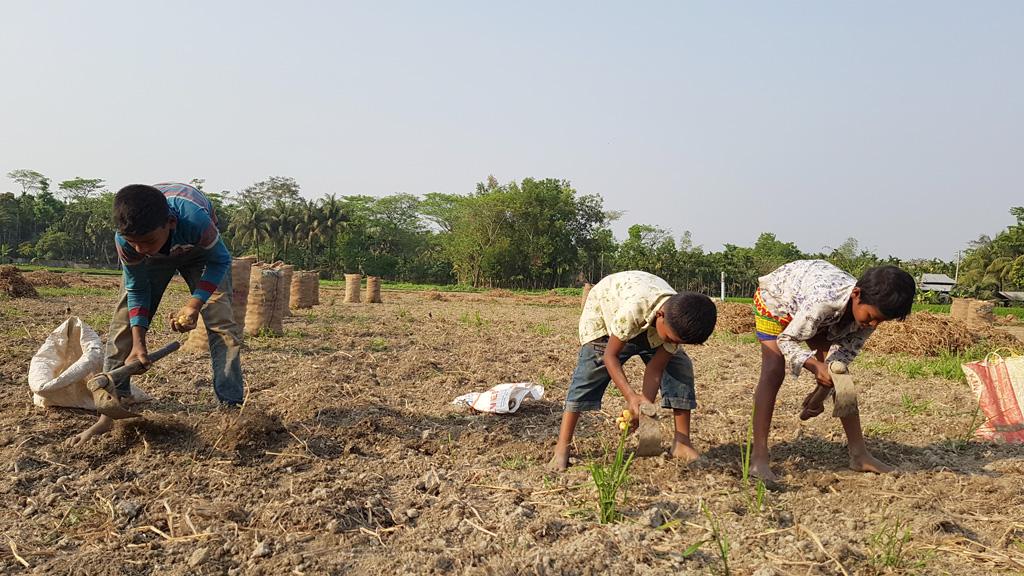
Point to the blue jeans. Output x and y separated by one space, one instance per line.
590 379
225 342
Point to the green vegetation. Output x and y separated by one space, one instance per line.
52 292
611 479
946 365
888 545
473 319
913 407
378 345
755 496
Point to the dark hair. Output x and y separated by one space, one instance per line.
691 316
890 289
139 209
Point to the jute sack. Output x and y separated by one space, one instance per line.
958 309
263 310
285 288
373 289
586 292
352 287
198 339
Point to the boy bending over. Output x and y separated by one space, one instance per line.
163 230
637 314
813 302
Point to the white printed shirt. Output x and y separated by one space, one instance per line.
625 305
815 294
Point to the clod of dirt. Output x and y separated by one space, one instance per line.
249 431
734 317
14 284
430 483
262 549
41 278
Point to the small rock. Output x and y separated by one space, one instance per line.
262 549
198 557
430 482
332 527
412 513
128 509
654 517
29 510
425 435
764 571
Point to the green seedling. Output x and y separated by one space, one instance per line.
888 544
610 479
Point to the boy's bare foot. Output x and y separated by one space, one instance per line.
102 426
560 461
762 470
684 452
868 463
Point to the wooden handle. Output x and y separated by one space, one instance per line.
134 368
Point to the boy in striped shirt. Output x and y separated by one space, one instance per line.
162 230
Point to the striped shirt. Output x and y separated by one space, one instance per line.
196 230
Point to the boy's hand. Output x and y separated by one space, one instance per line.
186 319
138 354
634 410
822 374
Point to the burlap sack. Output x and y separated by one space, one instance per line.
352 287
958 309
305 286
285 288
586 292
263 309
979 314
241 269
373 289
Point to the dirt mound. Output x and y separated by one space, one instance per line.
734 317
41 278
927 334
436 296
500 293
14 284
248 432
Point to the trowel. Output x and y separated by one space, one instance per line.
649 433
104 391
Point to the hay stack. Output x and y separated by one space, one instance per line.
735 318
373 290
41 278
352 287
927 334
586 292
13 284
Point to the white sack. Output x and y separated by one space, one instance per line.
501 399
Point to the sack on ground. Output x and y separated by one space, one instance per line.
998 383
501 399
62 366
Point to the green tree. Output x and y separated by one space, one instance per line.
31 182
78 188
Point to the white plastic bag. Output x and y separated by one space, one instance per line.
501 399
62 366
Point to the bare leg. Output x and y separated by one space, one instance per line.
560 459
102 426
773 372
860 459
681 446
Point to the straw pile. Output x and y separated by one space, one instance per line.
45 278
13 284
735 318
927 334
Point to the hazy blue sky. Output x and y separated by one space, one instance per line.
898 123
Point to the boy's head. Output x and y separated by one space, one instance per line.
882 293
143 218
686 318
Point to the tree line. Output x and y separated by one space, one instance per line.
532 234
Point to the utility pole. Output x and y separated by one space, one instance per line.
723 285
956 275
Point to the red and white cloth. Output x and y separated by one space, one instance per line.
998 383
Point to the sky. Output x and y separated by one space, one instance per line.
900 124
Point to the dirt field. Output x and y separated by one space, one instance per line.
348 458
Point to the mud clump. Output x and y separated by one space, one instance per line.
14 284
249 432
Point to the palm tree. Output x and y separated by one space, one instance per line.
309 229
331 218
282 220
249 224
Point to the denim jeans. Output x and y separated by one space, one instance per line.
225 341
590 379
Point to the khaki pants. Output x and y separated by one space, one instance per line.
224 337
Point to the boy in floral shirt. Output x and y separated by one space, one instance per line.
637 314
813 302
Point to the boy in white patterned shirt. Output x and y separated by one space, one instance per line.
630 314
814 302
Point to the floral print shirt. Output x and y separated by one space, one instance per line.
625 305
815 294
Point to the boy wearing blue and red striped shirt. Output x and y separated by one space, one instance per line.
162 230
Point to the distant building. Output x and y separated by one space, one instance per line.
938 283
1010 298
